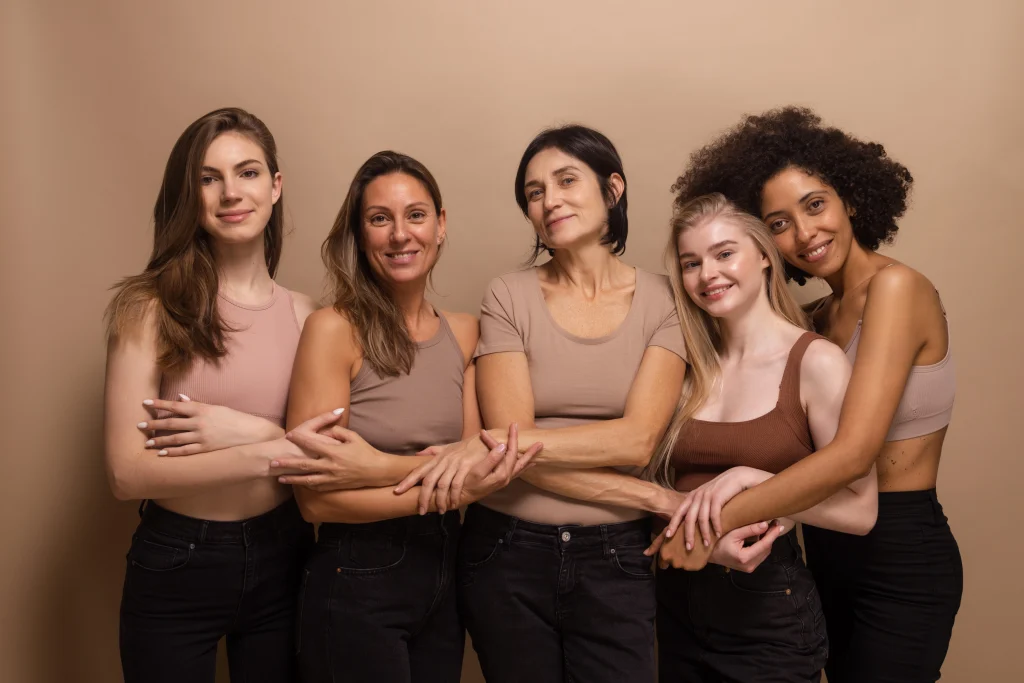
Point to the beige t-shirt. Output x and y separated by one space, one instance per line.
575 380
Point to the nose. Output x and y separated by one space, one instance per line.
230 192
804 230
399 232
708 272
552 200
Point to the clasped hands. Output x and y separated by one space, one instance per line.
702 508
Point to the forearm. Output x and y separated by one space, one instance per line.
604 485
358 506
392 469
845 511
606 443
148 475
796 489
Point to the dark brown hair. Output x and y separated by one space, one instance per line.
180 281
358 294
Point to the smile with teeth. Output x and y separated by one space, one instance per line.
402 256
818 252
716 292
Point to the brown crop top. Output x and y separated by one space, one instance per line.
771 442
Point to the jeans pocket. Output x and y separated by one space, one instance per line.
631 561
768 580
156 556
365 554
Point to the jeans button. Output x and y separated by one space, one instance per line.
565 537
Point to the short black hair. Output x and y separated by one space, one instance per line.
597 152
744 158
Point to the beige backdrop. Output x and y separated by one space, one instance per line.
94 94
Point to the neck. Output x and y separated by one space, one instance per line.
590 268
859 266
412 300
751 331
242 270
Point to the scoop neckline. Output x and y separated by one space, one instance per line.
253 307
539 293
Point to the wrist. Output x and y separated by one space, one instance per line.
270 431
663 502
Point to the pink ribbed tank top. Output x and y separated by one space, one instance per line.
254 375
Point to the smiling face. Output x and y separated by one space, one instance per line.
808 220
722 267
238 189
564 200
401 229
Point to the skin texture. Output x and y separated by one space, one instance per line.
588 292
723 272
226 475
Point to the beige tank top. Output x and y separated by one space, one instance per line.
254 375
575 380
405 414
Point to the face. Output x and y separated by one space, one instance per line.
402 232
239 191
722 267
809 221
564 200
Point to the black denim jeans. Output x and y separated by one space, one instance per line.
890 597
555 604
720 625
379 605
191 581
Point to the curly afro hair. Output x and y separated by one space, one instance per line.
741 161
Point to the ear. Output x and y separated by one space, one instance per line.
276 187
617 186
442 225
850 211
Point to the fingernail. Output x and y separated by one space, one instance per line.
339 411
689 546
148 402
143 425
763 525
275 463
781 528
501 448
706 544
668 534
282 480
183 397
162 453
151 442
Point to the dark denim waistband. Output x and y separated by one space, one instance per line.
284 518
429 524
909 504
481 519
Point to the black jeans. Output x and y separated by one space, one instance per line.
555 604
191 581
890 597
723 625
378 604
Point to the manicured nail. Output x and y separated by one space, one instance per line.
501 448
339 411
282 480
151 443
162 452
183 397
706 544
689 546
275 463
143 425
781 528
148 402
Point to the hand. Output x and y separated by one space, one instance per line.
674 554
731 552
704 504
502 465
449 468
333 458
201 427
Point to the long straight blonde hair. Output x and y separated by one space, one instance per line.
702 332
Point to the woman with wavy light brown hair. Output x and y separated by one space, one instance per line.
378 601
200 352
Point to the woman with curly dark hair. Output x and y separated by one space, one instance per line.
830 200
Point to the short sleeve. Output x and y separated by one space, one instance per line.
498 330
668 334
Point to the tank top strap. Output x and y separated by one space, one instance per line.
789 389
449 335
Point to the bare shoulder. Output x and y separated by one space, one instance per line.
899 281
303 305
824 363
466 328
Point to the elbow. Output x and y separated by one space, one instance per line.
309 506
645 449
123 484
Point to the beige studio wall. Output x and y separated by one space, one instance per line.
94 94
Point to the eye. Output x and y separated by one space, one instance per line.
816 204
250 173
417 215
687 265
778 225
207 179
534 194
568 180
378 219
725 254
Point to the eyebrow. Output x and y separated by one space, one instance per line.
716 245
799 201
558 171
376 207
240 164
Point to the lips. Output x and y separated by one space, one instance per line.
558 220
715 293
817 252
402 257
234 216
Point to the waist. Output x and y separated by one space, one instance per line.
565 537
430 524
525 501
910 504
285 518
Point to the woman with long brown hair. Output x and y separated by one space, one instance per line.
378 601
200 351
